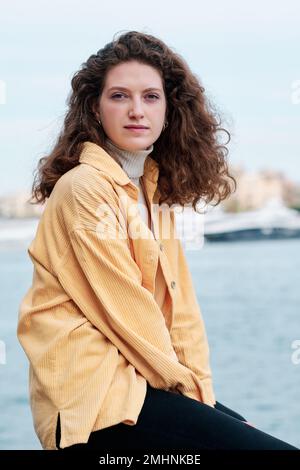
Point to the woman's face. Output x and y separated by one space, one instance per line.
133 95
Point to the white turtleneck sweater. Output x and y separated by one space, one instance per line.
132 163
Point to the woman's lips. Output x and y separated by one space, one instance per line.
137 129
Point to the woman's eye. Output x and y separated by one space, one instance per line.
117 95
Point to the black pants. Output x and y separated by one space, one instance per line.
172 421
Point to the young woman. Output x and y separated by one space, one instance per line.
111 326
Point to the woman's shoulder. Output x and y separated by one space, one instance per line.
84 181
78 195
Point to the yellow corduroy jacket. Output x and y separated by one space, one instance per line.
89 324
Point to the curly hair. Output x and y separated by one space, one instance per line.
192 162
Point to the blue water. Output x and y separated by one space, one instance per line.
249 297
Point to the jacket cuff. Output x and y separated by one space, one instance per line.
207 392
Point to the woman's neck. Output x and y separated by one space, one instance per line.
132 161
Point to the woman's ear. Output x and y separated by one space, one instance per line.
95 110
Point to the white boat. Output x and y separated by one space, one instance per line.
272 221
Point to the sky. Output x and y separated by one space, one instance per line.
245 55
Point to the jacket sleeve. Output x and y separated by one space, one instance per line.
102 278
109 291
188 331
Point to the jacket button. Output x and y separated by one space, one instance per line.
173 284
161 246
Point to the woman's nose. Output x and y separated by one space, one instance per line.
136 109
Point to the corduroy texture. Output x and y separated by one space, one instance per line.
133 163
90 326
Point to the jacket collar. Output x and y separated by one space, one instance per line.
94 155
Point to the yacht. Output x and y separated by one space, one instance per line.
273 221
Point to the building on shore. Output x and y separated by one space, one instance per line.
254 190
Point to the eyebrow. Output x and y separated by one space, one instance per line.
127 89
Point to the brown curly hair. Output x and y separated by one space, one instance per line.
192 163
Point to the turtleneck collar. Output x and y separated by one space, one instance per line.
132 162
